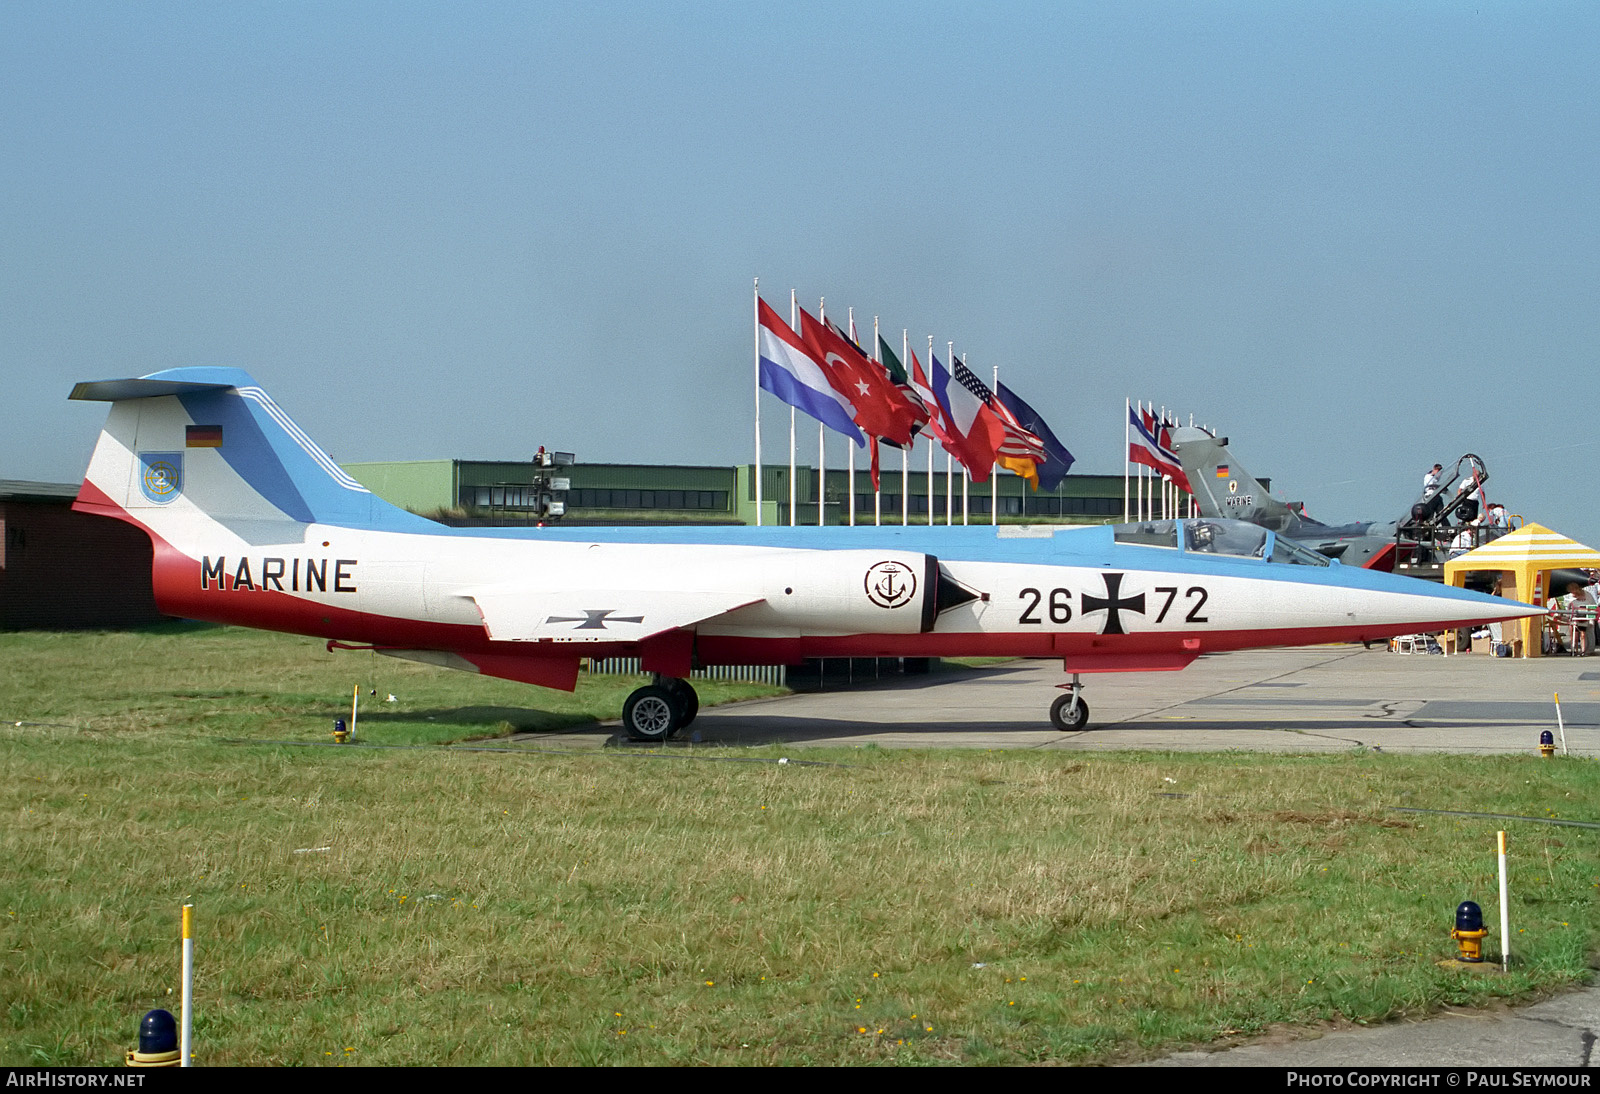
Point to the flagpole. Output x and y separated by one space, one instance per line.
994 475
850 448
877 488
1190 504
793 324
930 440
905 453
757 294
1127 439
966 479
822 463
949 462
1139 479
1161 427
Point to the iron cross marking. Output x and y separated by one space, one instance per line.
1113 604
594 619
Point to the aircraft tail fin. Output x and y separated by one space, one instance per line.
209 442
1222 487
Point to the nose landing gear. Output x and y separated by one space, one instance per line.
1070 712
659 709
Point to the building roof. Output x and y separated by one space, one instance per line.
24 490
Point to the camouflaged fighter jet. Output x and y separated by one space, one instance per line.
252 523
1223 488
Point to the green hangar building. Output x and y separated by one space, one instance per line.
516 492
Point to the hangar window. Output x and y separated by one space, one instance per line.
591 498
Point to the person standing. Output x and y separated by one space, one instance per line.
1467 510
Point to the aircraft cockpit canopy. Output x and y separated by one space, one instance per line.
1148 533
1287 550
1228 538
1234 539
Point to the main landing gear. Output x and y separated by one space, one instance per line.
659 709
1070 713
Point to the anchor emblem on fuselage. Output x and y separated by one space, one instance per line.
890 584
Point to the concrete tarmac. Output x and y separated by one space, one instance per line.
1310 699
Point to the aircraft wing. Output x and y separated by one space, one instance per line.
597 615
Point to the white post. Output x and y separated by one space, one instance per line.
1505 912
1127 439
355 703
186 1041
758 400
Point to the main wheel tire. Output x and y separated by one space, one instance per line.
651 713
688 700
1065 722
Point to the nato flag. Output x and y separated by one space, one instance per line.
1059 461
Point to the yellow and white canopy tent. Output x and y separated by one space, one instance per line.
1527 556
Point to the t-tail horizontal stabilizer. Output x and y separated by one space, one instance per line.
194 443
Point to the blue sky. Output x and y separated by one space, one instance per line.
1356 238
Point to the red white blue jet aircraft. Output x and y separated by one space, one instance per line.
253 524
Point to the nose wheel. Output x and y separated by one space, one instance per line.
1070 712
658 710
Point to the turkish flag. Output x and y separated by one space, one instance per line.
881 410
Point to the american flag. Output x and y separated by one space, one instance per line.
1018 441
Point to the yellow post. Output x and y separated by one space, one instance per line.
1533 628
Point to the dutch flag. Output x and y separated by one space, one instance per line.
790 372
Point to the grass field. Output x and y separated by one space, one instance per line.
425 906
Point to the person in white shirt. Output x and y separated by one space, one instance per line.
1467 511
